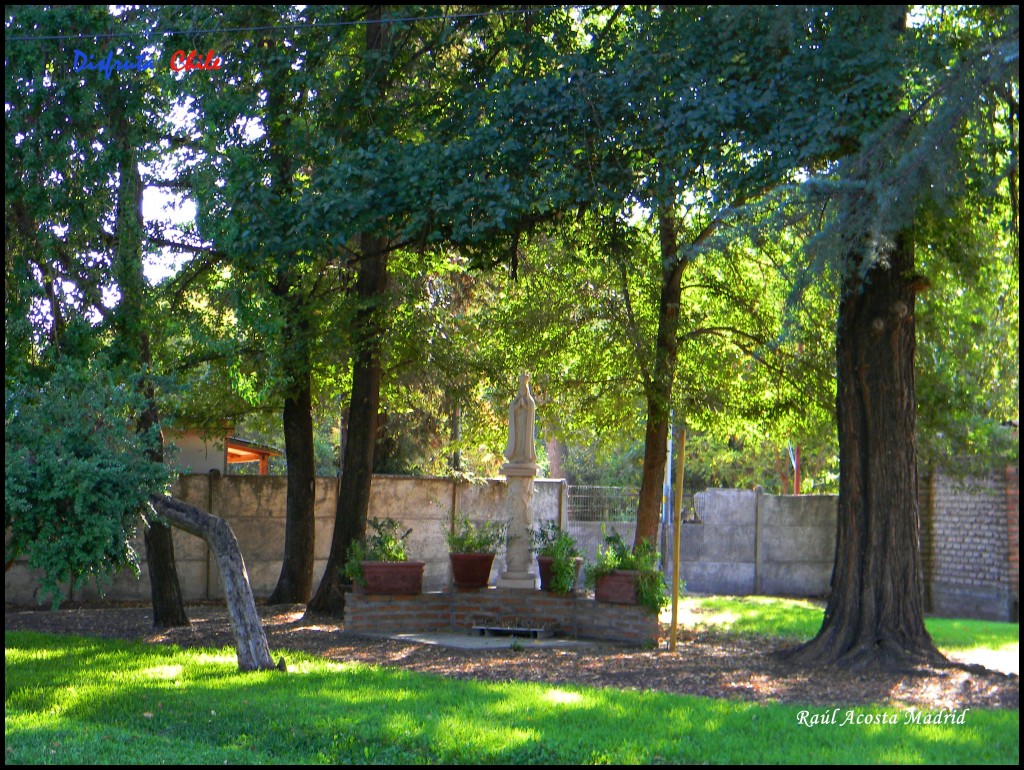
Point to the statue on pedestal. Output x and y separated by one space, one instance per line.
520 471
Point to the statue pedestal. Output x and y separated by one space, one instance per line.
518 559
518 581
520 470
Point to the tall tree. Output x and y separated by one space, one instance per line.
704 128
132 343
875 614
367 339
81 143
409 140
255 219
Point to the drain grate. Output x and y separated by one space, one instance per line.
528 633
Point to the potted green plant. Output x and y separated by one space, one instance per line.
624 576
379 563
558 558
471 549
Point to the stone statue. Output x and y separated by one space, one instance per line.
521 448
520 471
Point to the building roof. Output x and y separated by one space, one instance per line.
241 450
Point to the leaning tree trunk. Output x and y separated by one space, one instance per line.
250 640
875 614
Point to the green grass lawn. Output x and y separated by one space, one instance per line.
800 619
74 700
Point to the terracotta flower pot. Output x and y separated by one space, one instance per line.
544 567
393 577
617 587
471 570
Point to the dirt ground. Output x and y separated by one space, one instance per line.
706 662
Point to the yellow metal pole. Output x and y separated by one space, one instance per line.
677 526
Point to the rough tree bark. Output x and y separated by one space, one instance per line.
357 472
295 583
875 614
659 388
250 640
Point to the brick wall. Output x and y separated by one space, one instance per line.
370 614
967 526
1013 538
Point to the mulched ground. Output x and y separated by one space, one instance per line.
705 663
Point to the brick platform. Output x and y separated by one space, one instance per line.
577 617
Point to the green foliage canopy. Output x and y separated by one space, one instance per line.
77 475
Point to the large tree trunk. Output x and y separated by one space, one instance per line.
357 472
165 588
295 583
875 614
659 388
250 640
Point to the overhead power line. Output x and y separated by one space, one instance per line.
287 27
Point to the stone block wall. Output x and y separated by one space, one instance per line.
1013 538
718 553
378 614
255 507
796 544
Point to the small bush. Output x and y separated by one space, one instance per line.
383 544
468 537
651 591
554 542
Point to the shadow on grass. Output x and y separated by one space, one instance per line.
116 701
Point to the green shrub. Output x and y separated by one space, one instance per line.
468 537
383 544
554 542
651 590
77 473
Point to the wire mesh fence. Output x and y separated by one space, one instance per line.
603 503
595 512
